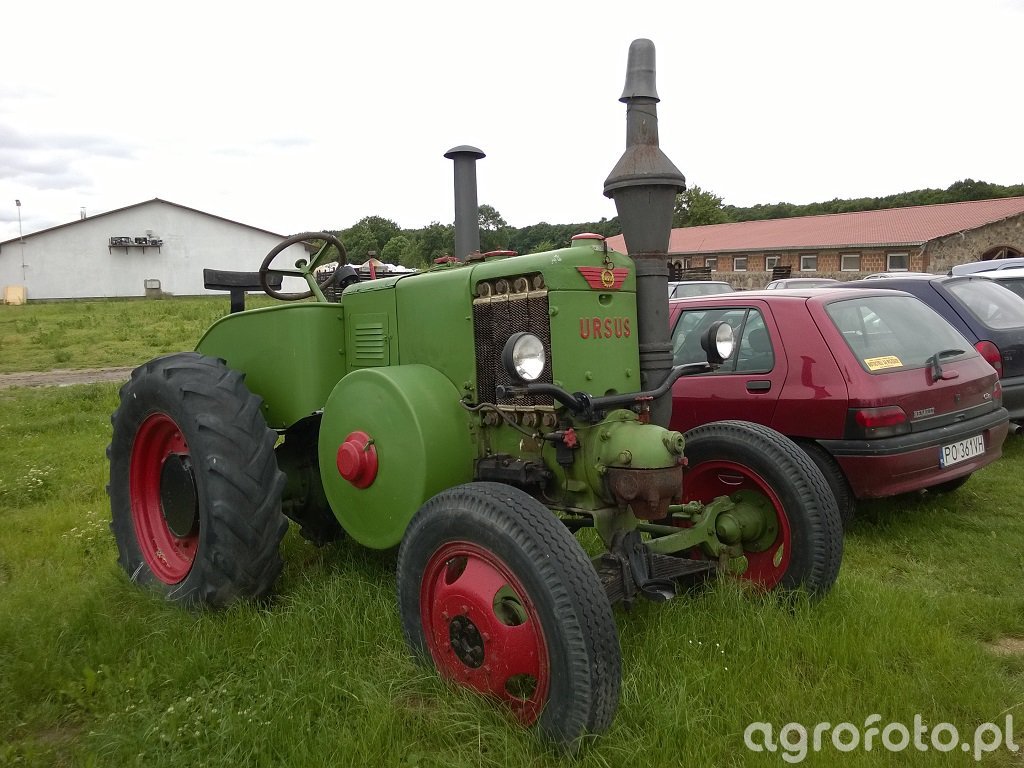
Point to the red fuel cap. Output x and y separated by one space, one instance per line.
357 460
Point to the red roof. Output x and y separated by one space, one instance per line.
893 227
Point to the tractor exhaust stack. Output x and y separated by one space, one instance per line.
644 184
467 214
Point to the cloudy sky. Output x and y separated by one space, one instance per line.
298 115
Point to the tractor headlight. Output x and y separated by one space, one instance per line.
718 342
523 357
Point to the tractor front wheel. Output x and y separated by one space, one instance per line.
496 593
195 491
804 543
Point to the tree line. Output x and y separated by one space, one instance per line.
695 206
418 248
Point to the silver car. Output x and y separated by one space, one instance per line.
680 289
801 282
897 275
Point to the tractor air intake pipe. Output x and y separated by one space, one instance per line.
467 213
644 184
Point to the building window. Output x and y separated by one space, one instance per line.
809 262
712 262
897 262
849 262
739 264
771 262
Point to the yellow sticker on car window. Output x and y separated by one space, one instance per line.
878 363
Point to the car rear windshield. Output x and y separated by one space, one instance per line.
894 333
993 305
1015 284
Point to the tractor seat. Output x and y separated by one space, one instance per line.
238 283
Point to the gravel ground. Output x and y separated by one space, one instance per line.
63 378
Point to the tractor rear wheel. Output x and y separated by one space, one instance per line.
807 547
195 491
499 596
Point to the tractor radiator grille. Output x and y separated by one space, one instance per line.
495 319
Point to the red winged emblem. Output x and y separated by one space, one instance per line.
604 279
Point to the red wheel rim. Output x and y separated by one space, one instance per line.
482 629
169 556
704 481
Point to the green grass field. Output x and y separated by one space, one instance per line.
104 333
926 618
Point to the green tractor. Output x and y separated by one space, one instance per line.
477 416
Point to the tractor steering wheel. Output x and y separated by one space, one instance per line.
303 268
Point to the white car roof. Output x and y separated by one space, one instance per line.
975 267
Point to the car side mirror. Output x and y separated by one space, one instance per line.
718 342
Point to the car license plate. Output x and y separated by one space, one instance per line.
961 450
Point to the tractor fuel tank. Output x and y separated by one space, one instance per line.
391 438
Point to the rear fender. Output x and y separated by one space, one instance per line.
292 355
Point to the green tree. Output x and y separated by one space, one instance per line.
400 250
695 207
494 230
383 229
969 189
435 240
957 192
359 241
490 219
370 233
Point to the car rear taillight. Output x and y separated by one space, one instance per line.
992 355
886 421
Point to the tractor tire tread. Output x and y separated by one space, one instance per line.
578 600
238 481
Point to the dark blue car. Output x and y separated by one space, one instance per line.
990 316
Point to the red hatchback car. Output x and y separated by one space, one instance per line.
883 394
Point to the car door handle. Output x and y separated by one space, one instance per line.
759 385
